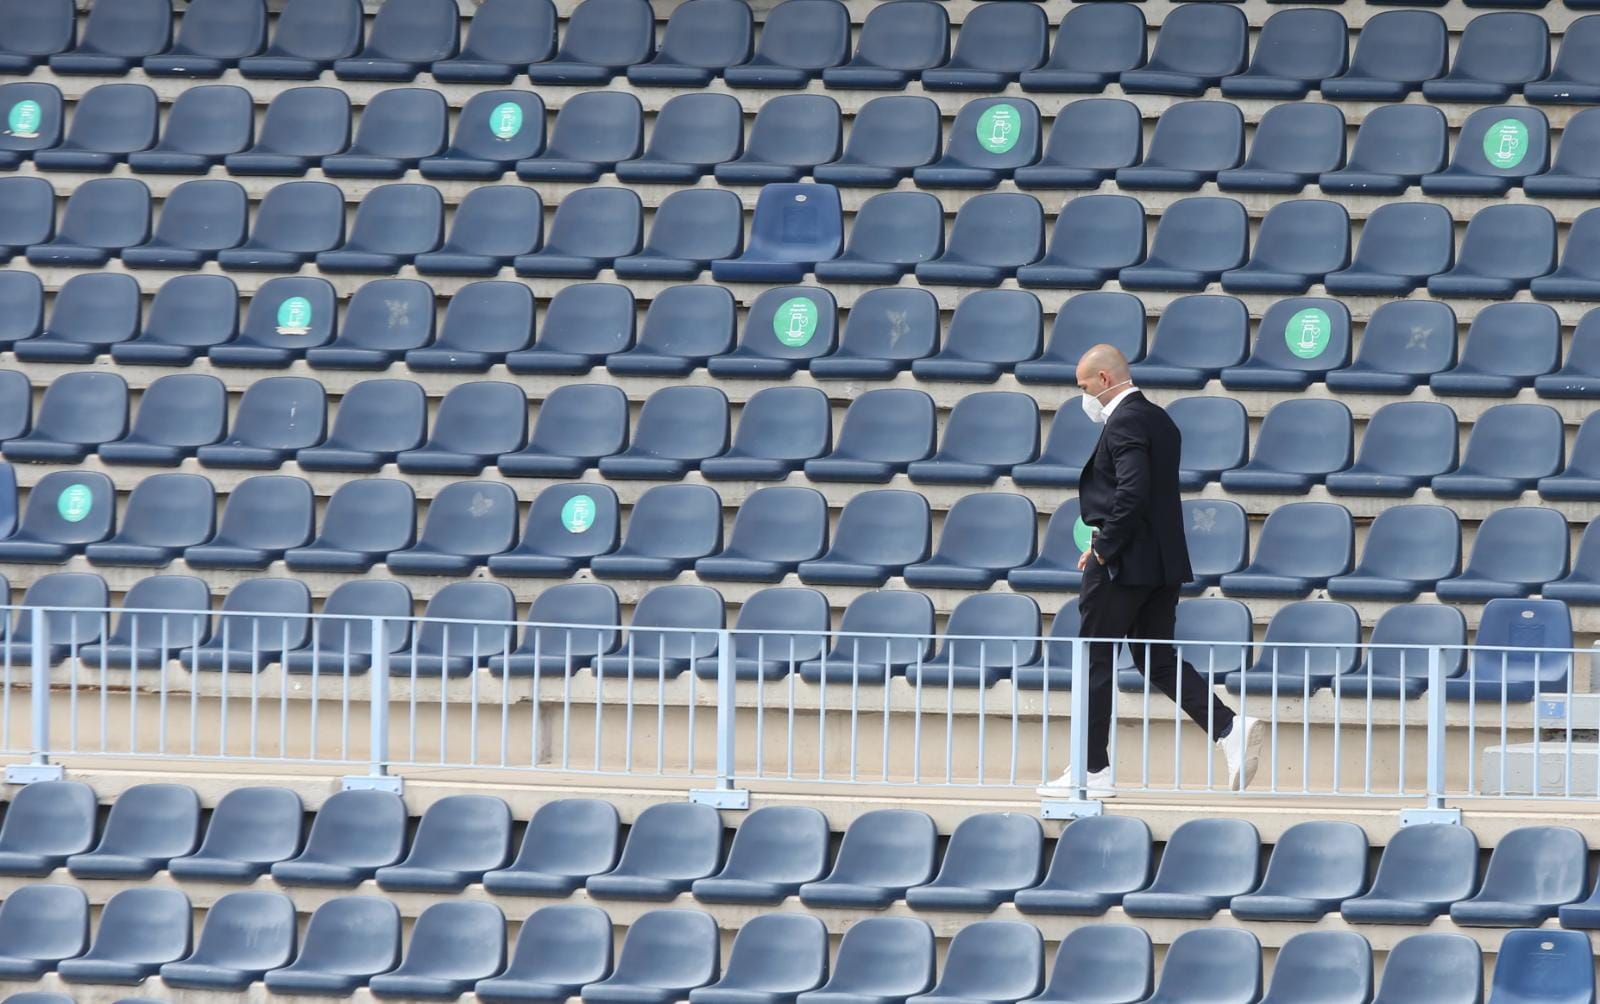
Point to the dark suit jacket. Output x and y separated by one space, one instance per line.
1129 494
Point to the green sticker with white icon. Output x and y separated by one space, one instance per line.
74 502
1308 332
506 120
795 322
24 118
999 128
1506 143
1082 534
294 316
578 514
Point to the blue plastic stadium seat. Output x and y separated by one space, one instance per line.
1396 51
583 324
1432 969
665 955
1205 864
592 227
503 37
383 319
1402 247
1497 150
140 930
275 418
895 44
1300 442
301 127
1394 148
1096 44
343 639
780 428
348 940
48 822
102 217
393 224
1555 966
697 612
1517 550
693 133
990 139
883 431
1196 48
1068 162
991 331
38 29
991 855
592 133
264 517
577 425
997 43
1496 671
881 959
492 226
475 423
1220 965
1193 140
1215 438
1572 80
1505 248
165 514
259 620
1507 346
1533 872
149 640
27 217
494 131
588 518
454 944
1579 916
377 420
484 323
669 528
565 842
1299 341
1302 545
398 128
1410 547
1083 321
40 925
66 511
1097 861
691 229
1332 966
1405 445
1196 338
677 428
109 122
1314 867
117 37
1580 479
993 235
702 38
1294 144
310 36
79 411
68 632
1095 238
1402 673
669 846
212 37
1196 240
365 520
406 37
1308 645
799 39
205 125
775 851
92 312
1056 565
860 653
985 535
1496 55
246 935
249 831
791 135
198 219
773 958
782 627
1575 279
1101 962
794 227
883 853
986 435
294 223
467 521
602 39
1299 243
1511 447
438 652
990 960
560 950
459 838
1295 51
885 332
891 233
889 138
1405 343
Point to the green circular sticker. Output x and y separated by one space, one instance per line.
578 514
1307 332
506 120
24 119
795 322
1082 534
74 503
1506 143
999 128
294 316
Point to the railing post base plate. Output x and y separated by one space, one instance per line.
28 773
373 782
1418 817
1065 808
721 798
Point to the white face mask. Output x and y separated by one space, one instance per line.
1092 406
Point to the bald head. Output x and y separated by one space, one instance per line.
1101 368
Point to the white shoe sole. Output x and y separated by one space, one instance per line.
1254 737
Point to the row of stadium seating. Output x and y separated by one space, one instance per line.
1309 645
1535 874
1198 46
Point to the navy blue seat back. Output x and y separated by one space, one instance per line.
1095 44
896 43
1395 52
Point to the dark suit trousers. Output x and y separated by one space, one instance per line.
1110 610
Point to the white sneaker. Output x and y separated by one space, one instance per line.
1099 785
1242 748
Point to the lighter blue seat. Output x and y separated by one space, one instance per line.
246 935
794 227
1432 969
565 842
1298 342
702 38
665 955
1083 321
1496 55
1314 867
1096 44
560 950
198 219
775 529
165 514
393 224
467 521
670 527
1504 249
1405 343
1539 966
1533 872
990 332
348 940
883 853
503 37
693 133
577 425
669 846
860 654
493 224
1194 51
205 125
691 229
602 39
1394 148
986 436
890 137
1402 246
1300 442
1301 546
405 38
990 856
454 944
1293 145
308 37
879 533
1068 162
38 30
591 228
275 418
1508 345
377 420
1511 447
1402 673
294 223
994 234
140 930
1094 238
896 43
775 851
102 216
884 431
990 139
1295 51
996 43
117 38
1206 863
1497 149
677 428
495 129
302 125
1409 549
1308 645
1424 870
398 128
459 838
593 131
1396 51
799 39
79 411
1196 240
1298 244
67 510
1192 141
791 135
885 332
779 629
40 925
1496 672
1097 860
1196 338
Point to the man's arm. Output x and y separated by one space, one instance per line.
1130 454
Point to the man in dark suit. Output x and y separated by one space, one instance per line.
1135 564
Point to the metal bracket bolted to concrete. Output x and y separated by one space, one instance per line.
1063 808
721 798
373 782
28 773
1420 817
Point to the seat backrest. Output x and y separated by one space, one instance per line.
885 955
1090 319
1198 136
84 592
301 216
568 942
252 931
255 825
1321 859
1538 864
223 28
1100 39
38 28
1305 435
1504 142
490 610
192 310
474 518
215 119
1334 967
1214 635
590 618
1302 137
590 318
597 126
806 34
697 128
1214 432
572 836
898 130
503 126
782 624
398 219
113 118
995 325
143 925
391 314
1505 47
97 308
1301 44
1408 336
588 420
1410 437
456 939
1000 629
306 121
993 850
33 113
1116 123
892 323
796 129
779 843
1202 330
49 922
791 322
419 31
497 220
1417 626
383 415
281 413
909 36
1311 537
1203 41
360 829
1308 637
1004 229
1516 440
1212 964
787 423
599 221
890 848
689 320
293 313
70 507
993 958
1517 241
465 832
683 606
890 424
576 520
708 33
697 224
1523 544
359 935
781 522
29 218
778 952
1104 962
83 407
609 33
1201 232
1209 856
405 122
106 213
266 614
1110 853
132 28
673 839
346 627
370 514
51 817
1432 969
677 521
1404 45
1400 139
166 630
1101 231
1310 236
1413 542
905 616
1434 863
997 427
885 523
1554 966
1512 339
994 134
669 948
486 417
682 422
989 530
